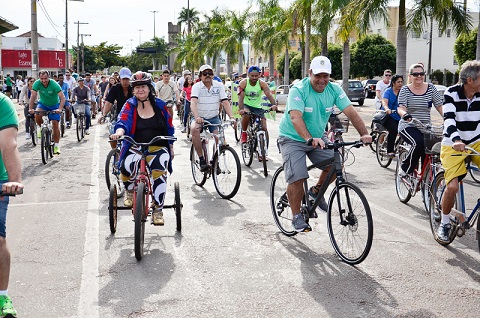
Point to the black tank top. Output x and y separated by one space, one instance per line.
148 128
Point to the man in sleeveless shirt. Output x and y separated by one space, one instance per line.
250 99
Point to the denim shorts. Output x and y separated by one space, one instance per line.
214 120
259 112
294 155
3 212
50 108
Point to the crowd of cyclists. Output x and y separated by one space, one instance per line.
142 106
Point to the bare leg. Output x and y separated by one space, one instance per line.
197 144
56 131
4 264
295 194
449 196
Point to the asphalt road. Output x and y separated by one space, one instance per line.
230 260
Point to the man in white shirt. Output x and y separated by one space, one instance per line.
70 80
181 81
205 100
167 91
381 87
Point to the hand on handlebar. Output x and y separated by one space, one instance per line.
366 139
11 188
317 142
459 146
199 120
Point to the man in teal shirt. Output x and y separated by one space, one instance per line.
309 105
51 99
10 183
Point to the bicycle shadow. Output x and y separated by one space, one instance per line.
327 279
465 262
223 208
132 284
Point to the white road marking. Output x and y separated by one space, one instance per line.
51 202
89 288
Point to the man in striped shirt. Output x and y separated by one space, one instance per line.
461 128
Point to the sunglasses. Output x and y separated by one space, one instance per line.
207 73
417 74
389 75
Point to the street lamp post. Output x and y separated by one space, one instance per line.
66 33
140 36
83 52
154 13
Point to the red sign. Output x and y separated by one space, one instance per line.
23 59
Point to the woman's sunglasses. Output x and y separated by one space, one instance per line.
417 74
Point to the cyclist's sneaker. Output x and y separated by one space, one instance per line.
443 232
56 150
391 155
184 130
204 166
243 138
260 158
87 132
128 200
299 224
312 193
6 307
157 217
68 125
27 136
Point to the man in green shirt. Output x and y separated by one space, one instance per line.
51 99
309 105
10 183
8 82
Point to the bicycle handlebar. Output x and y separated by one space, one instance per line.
156 138
2 194
340 144
474 153
46 112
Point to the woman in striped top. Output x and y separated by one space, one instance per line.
415 100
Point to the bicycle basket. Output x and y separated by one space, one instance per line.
339 123
432 139
79 109
380 117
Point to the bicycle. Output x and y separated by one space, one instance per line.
33 129
224 166
474 172
375 130
349 218
409 185
46 142
256 144
381 149
112 171
189 121
141 207
79 109
460 221
62 123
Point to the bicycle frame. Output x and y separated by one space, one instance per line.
219 139
143 176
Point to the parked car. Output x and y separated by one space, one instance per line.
282 96
355 91
441 89
369 87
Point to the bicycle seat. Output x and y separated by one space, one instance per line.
435 149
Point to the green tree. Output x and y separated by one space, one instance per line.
110 54
335 55
465 47
145 61
371 55
190 18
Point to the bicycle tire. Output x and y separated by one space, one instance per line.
109 166
262 145
435 210
282 213
427 181
403 192
33 131
62 124
248 149
178 206
78 128
478 230
474 173
83 119
139 216
199 177
226 167
345 236
374 134
238 129
44 146
112 209
51 143
381 150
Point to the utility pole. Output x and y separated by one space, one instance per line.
34 37
78 44
139 36
188 18
83 52
154 13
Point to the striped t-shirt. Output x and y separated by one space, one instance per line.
461 115
418 106
209 99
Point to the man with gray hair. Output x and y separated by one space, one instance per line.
461 113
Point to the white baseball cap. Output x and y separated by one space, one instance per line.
321 64
205 67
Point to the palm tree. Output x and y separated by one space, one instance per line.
237 26
324 12
190 17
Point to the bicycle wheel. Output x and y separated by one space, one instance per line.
79 128
112 209
282 213
427 181
381 147
262 147
62 124
199 177
350 224
478 230
178 206
83 119
403 190
438 187
474 173
374 134
248 149
238 129
33 131
139 216
44 145
51 143
227 173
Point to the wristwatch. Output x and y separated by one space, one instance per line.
309 142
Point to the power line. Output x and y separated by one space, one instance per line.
42 6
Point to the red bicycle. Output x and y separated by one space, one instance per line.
143 196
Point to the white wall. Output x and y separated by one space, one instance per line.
22 43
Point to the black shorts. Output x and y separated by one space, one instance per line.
9 89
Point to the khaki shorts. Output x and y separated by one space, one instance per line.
294 155
455 165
